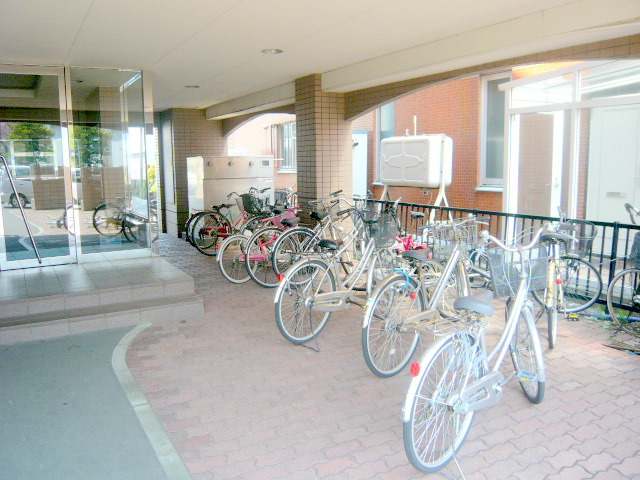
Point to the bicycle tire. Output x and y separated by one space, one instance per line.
69 225
624 290
387 345
433 428
188 227
230 259
107 220
295 318
527 357
581 284
205 233
288 246
259 259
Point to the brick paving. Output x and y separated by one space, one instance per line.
239 401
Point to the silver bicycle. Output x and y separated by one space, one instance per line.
457 376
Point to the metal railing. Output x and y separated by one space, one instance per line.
608 253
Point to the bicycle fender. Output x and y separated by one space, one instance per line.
286 277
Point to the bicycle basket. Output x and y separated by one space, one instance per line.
250 203
583 232
368 211
505 268
634 255
384 230
444 236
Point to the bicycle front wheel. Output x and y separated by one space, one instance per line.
387 344
623 300
107 220
381 265
526 354
287 248
231 259
296 318
434 424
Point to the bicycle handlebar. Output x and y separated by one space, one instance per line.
632 210
490 238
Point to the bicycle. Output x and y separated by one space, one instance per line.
287 248
573 284
320 283
388 338
457 376
623 294
205 229
111 219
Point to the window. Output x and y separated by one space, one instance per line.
284 147
492 132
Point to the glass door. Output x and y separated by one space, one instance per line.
34 142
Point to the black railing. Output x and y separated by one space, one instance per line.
608 252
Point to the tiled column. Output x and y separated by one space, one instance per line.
192 135
324 141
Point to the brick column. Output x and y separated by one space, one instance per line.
324 141
191 135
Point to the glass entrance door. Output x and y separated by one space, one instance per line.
34 142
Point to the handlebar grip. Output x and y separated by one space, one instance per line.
342 212
485 218
336 193
264 189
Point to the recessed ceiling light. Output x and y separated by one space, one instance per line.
192 86
272 51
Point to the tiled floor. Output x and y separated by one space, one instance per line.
239 401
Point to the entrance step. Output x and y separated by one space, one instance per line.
56 301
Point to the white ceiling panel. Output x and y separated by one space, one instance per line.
158 14
43 32
67 12
216 43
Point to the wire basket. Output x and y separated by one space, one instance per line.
442 237
505 268
368 211
583 233
634 255
384 230
250 204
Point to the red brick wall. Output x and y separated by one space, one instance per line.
452 108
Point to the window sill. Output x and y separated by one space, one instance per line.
287 170
490 188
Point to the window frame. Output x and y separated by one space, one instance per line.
291 165
485 182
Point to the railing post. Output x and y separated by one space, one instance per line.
614 251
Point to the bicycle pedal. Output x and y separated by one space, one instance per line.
527 376
572 317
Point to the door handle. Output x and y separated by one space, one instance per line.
617 194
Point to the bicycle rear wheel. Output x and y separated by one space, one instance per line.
526 354
295 297
231 259
107 220
387 345
434 424
623 300
259 259
206 232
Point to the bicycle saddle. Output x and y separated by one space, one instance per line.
479 303
329 244
318 216
421 254
226 205
417 214
291 222
561 237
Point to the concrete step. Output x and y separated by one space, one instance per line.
56 323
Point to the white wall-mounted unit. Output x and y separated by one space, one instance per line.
416 161
211 179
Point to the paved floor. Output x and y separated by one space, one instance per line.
239 401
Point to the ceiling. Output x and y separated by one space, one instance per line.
217 44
